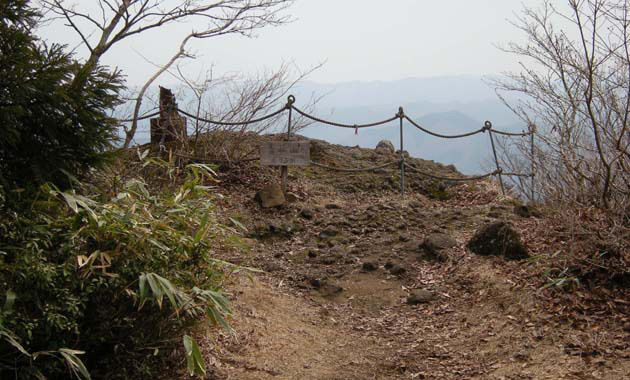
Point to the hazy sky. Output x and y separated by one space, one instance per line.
358 39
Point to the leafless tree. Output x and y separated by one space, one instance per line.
241 98
118 20
575 87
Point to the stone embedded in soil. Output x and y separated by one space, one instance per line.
494 214
395 269
420 296
333 257
329 260
439 241
292 197
522 356
329 233
316 282
415 205
324 287
369 266
270 196
526 211
272 267
498 239
307 214
327 289
434 244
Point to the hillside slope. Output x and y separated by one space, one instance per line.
341 259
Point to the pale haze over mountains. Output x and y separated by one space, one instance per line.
446 105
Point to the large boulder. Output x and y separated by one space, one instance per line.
498 239
385 147
270 196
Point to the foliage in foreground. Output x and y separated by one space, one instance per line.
49 125
114 279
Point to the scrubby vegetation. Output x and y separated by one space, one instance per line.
109 278
100 272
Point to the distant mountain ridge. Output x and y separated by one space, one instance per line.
446 105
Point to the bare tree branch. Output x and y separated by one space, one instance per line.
575 86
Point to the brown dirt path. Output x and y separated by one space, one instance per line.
317 314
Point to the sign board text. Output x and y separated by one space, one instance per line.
285 153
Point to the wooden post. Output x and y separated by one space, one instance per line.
170 126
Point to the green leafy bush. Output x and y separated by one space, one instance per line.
49 124
117 278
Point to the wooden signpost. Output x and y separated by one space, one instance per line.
285 154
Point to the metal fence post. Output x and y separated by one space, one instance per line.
401 114
488 126
284 170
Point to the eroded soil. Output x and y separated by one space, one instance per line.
339 264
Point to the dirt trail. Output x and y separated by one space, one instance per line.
281 336
332 303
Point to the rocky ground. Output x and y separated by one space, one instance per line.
360 282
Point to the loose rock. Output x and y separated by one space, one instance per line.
292 197
434 244
526 211
415 205
369 266
420 296
307 214
498 239
270 196
385 147
327 290
395 269
272 267
328 233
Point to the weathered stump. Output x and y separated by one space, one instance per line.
170 126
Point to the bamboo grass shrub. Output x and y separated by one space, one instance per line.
107 285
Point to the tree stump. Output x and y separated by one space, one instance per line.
170 126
